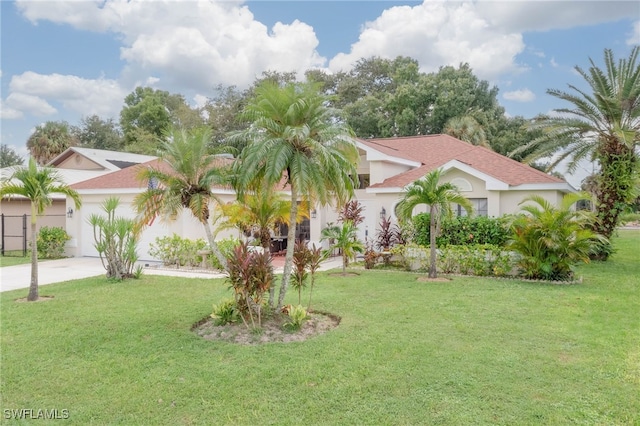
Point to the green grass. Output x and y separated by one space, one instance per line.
14 258
472 351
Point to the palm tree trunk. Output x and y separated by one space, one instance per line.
432 243
33 287
214 247
291 237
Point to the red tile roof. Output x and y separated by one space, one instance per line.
434 151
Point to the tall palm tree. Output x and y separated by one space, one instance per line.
439 198
186 184
37 185
293 130
49 140
602 125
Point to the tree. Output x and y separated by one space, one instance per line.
49 140
293 130
467 129
94 132
149 114
37 185
9 157
439 198
186 183
602 125
345 239
552 239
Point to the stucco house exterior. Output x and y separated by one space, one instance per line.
494 183
73 165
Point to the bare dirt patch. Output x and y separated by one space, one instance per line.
272 330
434 280
40 299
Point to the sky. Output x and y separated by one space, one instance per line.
64 60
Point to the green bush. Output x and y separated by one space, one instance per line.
297 315
480 260
226 246
225 312
50 242
178 251
462 230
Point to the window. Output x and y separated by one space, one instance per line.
364 181
462 184
480 207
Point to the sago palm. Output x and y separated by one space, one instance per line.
293 134
439 197
187 182
551 240
38 186
602 125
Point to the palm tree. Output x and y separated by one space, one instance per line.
37 185
601 126
553 239
262 209
345 239
466 128
293 130
49 140
187 184
439 198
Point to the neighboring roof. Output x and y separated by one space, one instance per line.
127 178
108 160
435 151
68 176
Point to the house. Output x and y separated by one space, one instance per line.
73 165
493 183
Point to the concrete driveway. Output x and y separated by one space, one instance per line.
73 268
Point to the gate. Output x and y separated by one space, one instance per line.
15 233
13 240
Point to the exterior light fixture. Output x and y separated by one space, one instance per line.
314 213
383 213
70 213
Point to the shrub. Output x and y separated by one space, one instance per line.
299 274
552 240
116 240
51 241
225 312
478 260
297 315
178 251
463 230
226 246
251 276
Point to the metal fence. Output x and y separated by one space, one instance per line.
15 232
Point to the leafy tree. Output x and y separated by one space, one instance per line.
602 125
345 239
552 240
148 115
293 130
94 132
37 185
185 183
9 157
49 140
439 198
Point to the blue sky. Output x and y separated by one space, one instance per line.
64 60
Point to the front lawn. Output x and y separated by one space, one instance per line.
471 351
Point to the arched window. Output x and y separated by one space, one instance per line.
462 184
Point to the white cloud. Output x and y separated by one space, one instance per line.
524 16
524 95
195 44
553 63
31 104
9 113
634 36
85 96
436 34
